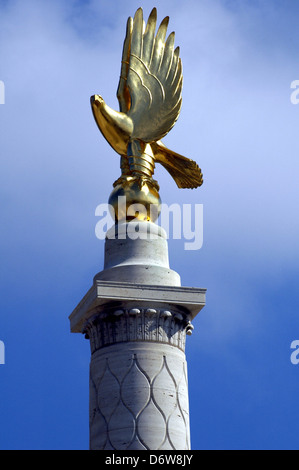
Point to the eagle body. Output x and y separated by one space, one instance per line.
149 95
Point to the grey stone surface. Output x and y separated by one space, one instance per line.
139 398
136 316
141 260
112 295
137 324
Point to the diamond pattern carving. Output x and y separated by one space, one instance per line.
143 407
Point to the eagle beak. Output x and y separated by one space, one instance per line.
96 100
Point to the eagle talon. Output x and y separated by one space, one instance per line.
140 180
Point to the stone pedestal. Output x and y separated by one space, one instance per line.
136 316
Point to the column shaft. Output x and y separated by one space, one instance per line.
139 398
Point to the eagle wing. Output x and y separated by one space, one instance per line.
185 172
123 94
151 80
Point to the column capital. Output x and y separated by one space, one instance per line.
109 297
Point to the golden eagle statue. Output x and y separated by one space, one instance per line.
149 95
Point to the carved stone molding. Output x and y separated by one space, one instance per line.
104 294
118 325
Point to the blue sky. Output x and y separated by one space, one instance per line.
238 123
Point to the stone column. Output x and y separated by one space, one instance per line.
136 316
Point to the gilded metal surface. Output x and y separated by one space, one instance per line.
149 95
132 200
